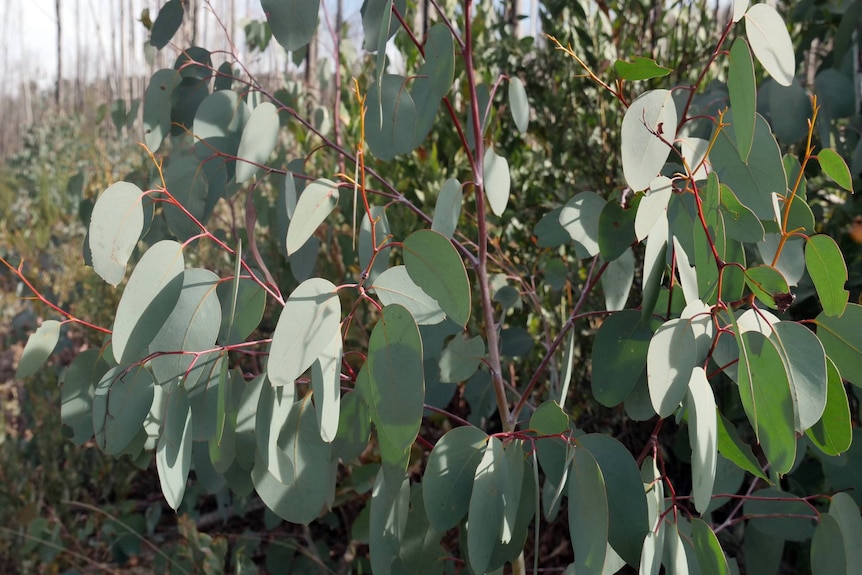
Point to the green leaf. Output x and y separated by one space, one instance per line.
308 484
420 553
40 345
390 504
640 68
846 513
434 78
588 513
157 106
241 314
805 361
485 513
448 480
617 281
187 182
121 403
498 181
148 300
293 22
616 230
619 356
655 257
461 358
828 555
115 226
447 210
765 392
390 123
670 360
78 387
580 217
743 96
753 182
167 23
326 383
842 340
762 552
731 446
519 104
769 286
770 42
703 437
833 433
827 269
395 389
626 500
259 137
309 321
740 223
174 452
710 557
394 286
514 461
315 204
192 326
648 125
435 266
780 514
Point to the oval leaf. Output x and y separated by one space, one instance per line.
771 42
447 210
648 125
619 356
174 451
115 226
519 104
293 22
498 181
743 96
703 437
314 205
833 433
148 300
580 217
306 326
258 140
435 266
842 340
485 514
40 345
121 403
588 513
670 360
827 269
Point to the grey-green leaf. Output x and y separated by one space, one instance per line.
519 104
770 42
149 298
115 226
842 339
447 210
648 125
40 345
293 22
258 140
498 181
315 204
174 452
395 286
670 360
307 324
121 403
703 437
580 217
485 513
435 266
588 513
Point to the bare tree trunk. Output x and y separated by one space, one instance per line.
57 90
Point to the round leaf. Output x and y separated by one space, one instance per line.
395 286
293 22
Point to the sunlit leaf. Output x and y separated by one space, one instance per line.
115 226
770 42
617 281
174 452
703 437
670 360
326 383
395 286
498 181
315 204
731 446
648 125
259 137
447 210
40 345
519 104
580 217
710 557
805 360
306 326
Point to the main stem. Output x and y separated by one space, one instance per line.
482 259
